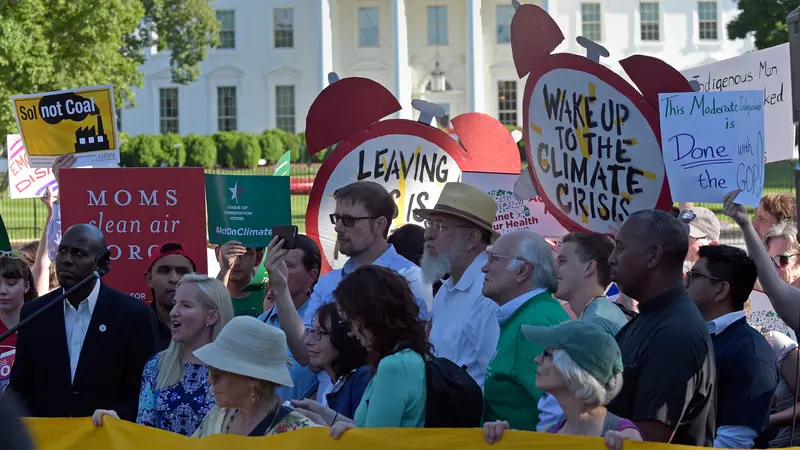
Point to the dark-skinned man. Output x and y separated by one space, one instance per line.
669 377
88 351
166 268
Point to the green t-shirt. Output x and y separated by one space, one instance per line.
510 390
251 305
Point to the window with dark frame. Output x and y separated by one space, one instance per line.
284 27
507 102
226 108
284 108
227 29
591 24
168 110
707 21
649 21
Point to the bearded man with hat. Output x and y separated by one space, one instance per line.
464 326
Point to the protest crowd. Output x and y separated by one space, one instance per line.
435 316
517 334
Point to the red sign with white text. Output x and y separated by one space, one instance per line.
138 210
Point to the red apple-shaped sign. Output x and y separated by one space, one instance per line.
592 140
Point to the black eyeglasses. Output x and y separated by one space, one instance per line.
348 221
691 275
317 333
782 261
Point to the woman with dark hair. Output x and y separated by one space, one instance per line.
343 359
379 308
16 288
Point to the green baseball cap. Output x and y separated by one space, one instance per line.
592 348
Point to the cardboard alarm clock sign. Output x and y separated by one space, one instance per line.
592 139
411 159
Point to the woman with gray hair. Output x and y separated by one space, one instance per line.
581 367
784 250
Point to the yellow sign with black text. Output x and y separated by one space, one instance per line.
80 121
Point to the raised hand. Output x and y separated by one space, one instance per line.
63 161
734 210
275 264
228 254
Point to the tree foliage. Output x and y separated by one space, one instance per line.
766 19
48 45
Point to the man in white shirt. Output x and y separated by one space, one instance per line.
464 326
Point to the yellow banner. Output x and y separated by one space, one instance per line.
80 121
79 434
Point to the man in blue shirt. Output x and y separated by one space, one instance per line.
720 283
363 215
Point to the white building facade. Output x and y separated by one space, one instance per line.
275 55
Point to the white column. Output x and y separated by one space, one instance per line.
476 84
402 71
325 45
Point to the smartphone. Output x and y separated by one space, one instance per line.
287 233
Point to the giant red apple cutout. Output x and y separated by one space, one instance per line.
411 159
592 140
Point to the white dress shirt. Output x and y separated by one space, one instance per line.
464 326
507 310
76 323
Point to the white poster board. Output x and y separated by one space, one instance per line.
514 213
768 71
712 143
24 181
761 315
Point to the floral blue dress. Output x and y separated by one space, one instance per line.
179 408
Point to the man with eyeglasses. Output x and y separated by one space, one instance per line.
747 371
363 215
669 376
464 327
520 277
703 227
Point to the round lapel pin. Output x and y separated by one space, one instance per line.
102 328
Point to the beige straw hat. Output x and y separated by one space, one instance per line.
247 346
466 202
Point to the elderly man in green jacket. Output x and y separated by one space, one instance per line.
520 278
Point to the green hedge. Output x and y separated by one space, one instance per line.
226 149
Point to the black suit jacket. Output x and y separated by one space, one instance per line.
110 366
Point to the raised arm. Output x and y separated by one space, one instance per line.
290 320
784 297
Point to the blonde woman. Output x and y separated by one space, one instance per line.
175 394
247 364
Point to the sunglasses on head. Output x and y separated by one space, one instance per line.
781 261
14 254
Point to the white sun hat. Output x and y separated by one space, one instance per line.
247 346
